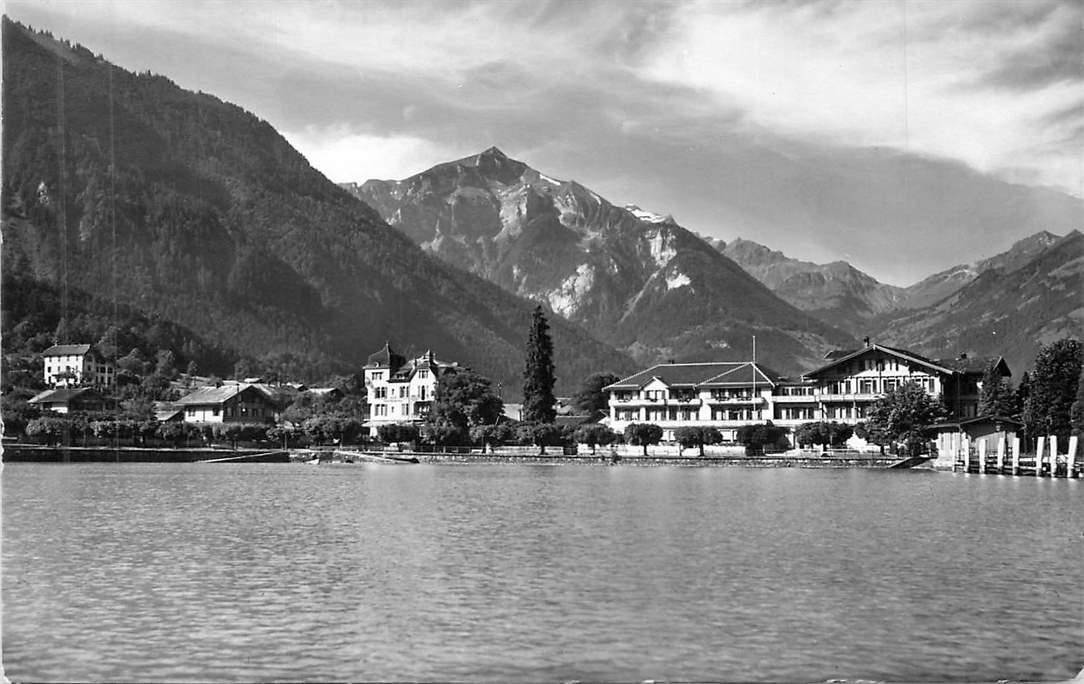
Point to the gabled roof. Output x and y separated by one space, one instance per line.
717 374
218 395
66 350
900 353
61 395
743 375
975 365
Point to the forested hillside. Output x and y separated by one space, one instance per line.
184 207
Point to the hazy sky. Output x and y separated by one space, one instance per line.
674 106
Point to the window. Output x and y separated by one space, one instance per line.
377 375
423 373
404 392
865 386
214 411
380 393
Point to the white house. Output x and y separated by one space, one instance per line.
72 365
727 395
401 391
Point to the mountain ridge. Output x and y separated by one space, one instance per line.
639 279
196 210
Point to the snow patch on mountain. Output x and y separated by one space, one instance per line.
646 216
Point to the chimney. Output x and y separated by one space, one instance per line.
866 340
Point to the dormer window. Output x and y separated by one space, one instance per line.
378 375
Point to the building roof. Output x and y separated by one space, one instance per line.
218 395
900 353
66 350
712 374
165 411
955 424
61 395
385 358
975 365
427 361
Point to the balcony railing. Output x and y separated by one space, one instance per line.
856 396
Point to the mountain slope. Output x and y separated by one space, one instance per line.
638 280
942 284
125 186
836 293
1008 310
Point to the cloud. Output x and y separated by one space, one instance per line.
898 74
344 156
815 126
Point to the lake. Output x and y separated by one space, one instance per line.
231 573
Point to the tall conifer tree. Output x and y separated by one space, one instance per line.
539 404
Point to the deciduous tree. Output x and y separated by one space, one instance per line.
591 398
1054 386
464 400
697 436
593 435
902 416
643 434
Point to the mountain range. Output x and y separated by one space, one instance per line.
635 279
650 287
122 191
126 188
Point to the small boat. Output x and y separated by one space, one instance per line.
364 457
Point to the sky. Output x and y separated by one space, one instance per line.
904 136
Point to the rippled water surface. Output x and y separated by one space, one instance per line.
493 573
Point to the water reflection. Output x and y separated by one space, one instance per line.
241 573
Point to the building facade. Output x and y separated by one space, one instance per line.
74 365
724 395
240 403
727 396
401 391
71 400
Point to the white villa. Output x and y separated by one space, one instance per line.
74 365
401 391
728 395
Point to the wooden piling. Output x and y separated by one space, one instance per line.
1070 461
1040 447
1001 455
1015 455
982 456
1053 456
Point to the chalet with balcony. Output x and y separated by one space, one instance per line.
728 395
401 391
724 395
233 403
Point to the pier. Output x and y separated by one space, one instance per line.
1004 457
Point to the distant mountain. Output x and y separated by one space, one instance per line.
183 206
1011 306
635 279
836 293
940 285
